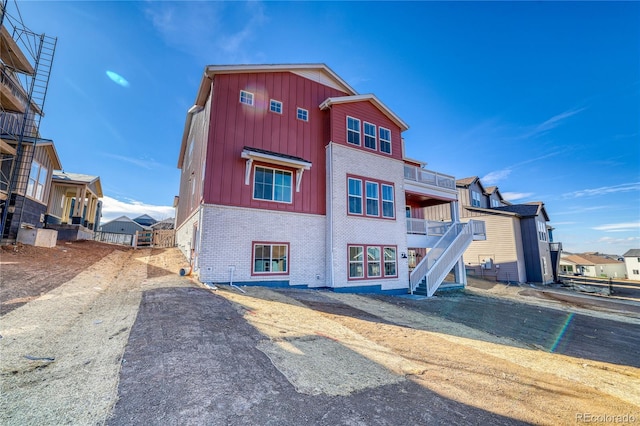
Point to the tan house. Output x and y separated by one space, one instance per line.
518 245
592 265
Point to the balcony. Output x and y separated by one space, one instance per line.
11 94
424 233
429 187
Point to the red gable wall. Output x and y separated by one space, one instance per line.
364 111
235 125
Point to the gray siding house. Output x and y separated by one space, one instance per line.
123 225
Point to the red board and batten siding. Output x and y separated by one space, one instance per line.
235 125
364 111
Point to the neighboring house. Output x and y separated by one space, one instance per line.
145 220
593 265
123 225
518 245
74 205
27 160
165 224
632 264
289 177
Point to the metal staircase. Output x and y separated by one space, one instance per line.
429 274
22 130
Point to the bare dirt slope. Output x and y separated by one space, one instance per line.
128 341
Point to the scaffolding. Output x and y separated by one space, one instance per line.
25 68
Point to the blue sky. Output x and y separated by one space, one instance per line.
541 99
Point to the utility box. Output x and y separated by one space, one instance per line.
38 237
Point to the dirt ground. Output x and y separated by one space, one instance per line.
96 334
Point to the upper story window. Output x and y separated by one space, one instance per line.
542 231
388 209
246 97
303 114
353 130
475 198
355 196
37 181
370 135
385 140
272 184
275 106
270 258
370 200
495 203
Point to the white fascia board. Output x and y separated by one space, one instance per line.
367 97
273 159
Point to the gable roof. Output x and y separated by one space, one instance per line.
316 72
590 259
47 144
632 253
368 97
526 209
79 178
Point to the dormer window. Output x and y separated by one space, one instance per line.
475 198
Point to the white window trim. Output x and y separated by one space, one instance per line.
475 200
250 156
392 201
365 135
306 114
247 95
271 101
367 198
359 131
253 188
380 140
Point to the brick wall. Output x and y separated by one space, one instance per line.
347 229
228 234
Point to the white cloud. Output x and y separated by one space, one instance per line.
495 177
513 196
148 164
112 209
618 227
604 190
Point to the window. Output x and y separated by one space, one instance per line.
369 201
272 184
372 261
385 140
370 135
495 203
355 196
390 262
275 106
542 231
356 262
37 181
303 114
353 131
475 198
372 198
270 258
407 212
387 201
635 272
246 97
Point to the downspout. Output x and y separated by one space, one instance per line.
329 193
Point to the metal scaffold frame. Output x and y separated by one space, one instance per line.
25 69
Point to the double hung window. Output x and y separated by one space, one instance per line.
353 131
370 136
370 197
385 140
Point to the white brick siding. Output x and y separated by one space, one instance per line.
347 229
228 233
184 234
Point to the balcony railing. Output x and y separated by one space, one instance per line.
430 228
429 177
